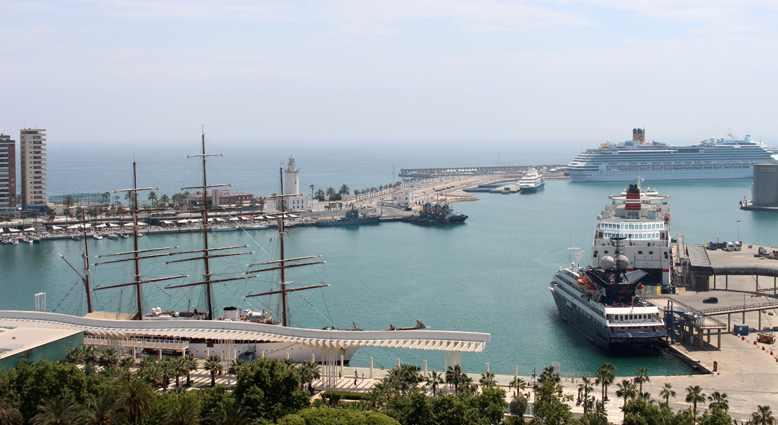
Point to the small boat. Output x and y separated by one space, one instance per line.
124 236
112 236
97 236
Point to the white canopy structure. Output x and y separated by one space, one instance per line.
29 229
56 228
13 230
420 339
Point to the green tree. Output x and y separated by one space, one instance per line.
641 376
550 402
109 358
518 383
236 365
433 380
667 392
68 201
518 405
487 380
191 366
309 372
213 365
344 190
585 398
136 399
640 412
101 410
454 377
718 400
9 410
626 390
404 377
320 195
605 378
270 389
329 416
230 413
763 416
57 411
185 412
153 198
694 395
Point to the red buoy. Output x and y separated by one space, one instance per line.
754 342
763 349
742 338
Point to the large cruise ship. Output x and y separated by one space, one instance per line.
724 158
642 217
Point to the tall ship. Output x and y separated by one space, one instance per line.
723 158
531 182
605 303
642 218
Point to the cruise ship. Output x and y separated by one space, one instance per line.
605 304
642 218
724 158
531 182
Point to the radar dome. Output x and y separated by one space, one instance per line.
607 262
622 262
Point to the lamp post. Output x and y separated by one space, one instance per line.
738 230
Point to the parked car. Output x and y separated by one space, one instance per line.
711 300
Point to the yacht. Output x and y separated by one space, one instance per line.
531 182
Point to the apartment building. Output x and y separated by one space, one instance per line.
7 175
32 158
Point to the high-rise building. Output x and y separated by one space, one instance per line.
7 175
33 166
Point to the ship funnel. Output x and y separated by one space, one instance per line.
639 135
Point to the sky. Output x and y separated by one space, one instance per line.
388 72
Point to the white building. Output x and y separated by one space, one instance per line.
292 187
33 166
407 197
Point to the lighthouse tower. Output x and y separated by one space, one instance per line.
292 184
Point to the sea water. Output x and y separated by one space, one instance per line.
488 275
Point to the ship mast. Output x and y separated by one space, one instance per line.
207 276
282 262
87 271
136 257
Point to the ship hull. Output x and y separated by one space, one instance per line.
352 222
533 189
660 175
599 335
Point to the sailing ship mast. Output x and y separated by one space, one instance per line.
87 271
284 291
208 281
136 257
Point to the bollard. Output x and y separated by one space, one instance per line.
313 357
487 368
398 362
425 367
371 368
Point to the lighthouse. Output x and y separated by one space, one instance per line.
291 183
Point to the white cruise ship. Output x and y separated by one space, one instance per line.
642 218
531 182
711 159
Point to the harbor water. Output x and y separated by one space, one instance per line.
488 275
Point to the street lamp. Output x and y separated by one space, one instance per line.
738 230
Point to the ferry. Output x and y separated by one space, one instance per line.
722 158
531 182
642 218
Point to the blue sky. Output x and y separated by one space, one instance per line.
388 72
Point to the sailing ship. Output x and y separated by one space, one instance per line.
202 348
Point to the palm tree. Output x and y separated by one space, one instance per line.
405 377
164 200
641 376
356 193
126 362
75 355
344 190
667 392
182 413
230 413
585 389
466 385
181 367
68 202
152 197
236 365
101 411
433 380
626 389
320 195
694 395
109 358
57 411
605 377
136 399
487 380
191 366
90 355
309 372
9 410
762 416
718 401
454 376
518 383
213 364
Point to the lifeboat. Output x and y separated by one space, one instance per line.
667 218
640 287
668 166
590 287
582 281
716 165
657 166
